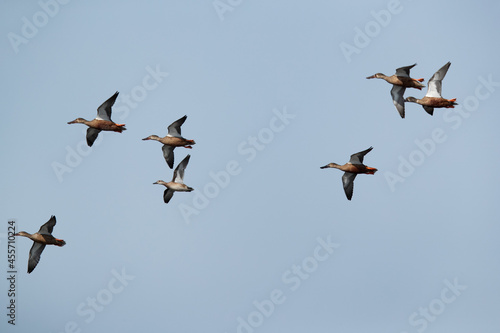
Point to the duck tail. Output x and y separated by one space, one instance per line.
60 242
120 129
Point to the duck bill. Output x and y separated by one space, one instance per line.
370 77
146 139
324 167
72 122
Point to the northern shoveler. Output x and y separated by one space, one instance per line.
172 140
40 239
433 98
400 81
102 122
177 183
352 168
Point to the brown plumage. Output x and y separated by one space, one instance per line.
401 78
433 98
40 239
400 81
435 102
103 125
177 183
351 169
172 140
407 82
102 122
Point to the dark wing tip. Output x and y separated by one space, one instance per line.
182 120
167 195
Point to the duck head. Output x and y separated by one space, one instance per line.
78 121
152 137
330 165
376 76
22 233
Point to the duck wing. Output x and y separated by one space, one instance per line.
167 195
404 71
358 157
428 109
104 111
35 252
397 93
348 182
179 171
174 129
168 154
92 134
47 228
435 83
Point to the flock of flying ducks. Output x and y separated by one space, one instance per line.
400 81
100 123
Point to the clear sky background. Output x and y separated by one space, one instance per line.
416 250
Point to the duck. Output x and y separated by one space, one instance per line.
400 81
40 239
177 183
351 169
172 140
433 98
102 122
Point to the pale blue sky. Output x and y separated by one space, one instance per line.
270 97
